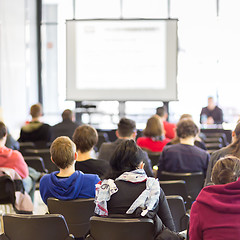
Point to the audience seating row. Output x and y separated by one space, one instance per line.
54 226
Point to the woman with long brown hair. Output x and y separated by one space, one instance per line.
231 149
154 137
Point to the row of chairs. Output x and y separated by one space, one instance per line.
71 218
37 158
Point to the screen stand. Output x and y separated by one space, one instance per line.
121 109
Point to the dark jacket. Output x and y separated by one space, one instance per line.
216 114
64 128
128 192
93 166
107 149
35 132
183 158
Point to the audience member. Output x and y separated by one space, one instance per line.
35 131
184 157
128 190
216 212
11 142
169 128
67 183
198 141
126 130
13 159
154 139
231 149
66 127
211 114
85 137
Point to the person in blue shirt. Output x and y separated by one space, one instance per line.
66 184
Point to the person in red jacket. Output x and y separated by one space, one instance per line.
11 158
168 127
154 139
216 212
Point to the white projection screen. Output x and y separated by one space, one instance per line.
130 59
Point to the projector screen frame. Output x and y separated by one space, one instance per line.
166 95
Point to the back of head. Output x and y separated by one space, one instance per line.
154 128
63 152
3 130
67 115
226 170
125 158
85 137
186 128
126 127
36 110
185 115
161 111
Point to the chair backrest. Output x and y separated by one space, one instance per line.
213 146
176 187
7 190
194 181
44 153
178 210
37 227
36 162
77 213
121 228
26 145
102 137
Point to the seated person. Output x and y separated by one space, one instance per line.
85 137
198 141
216 212
66 127
211 114
128 191
169 128
154 139
66 184
35 131
126 130
232 149
13 159
184 157
11 142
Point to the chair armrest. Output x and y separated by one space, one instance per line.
184 221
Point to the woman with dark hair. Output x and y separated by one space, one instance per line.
216 212
154 138
128 191
231 149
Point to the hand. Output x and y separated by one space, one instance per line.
210 120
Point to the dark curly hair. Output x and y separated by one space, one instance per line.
186 128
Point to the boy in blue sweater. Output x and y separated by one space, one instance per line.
66 184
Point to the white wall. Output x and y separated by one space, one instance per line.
17 66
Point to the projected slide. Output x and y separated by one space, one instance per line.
121 60
116 55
